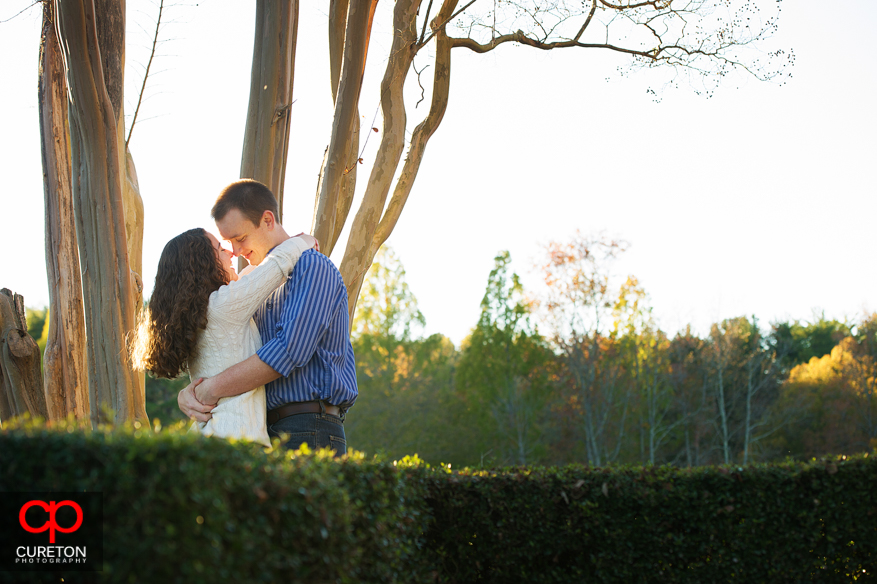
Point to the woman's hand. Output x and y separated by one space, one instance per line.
190 405
310 240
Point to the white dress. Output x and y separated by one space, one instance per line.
231 336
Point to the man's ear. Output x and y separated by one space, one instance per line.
269 220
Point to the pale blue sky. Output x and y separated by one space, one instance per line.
756 201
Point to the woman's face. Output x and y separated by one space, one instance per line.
225 257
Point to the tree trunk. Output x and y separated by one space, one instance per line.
329 206
723 415
111 39
266 137
338 13
132 204
109 287
20 377
66 381
748 425
359 252
337 33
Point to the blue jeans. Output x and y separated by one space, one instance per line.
315 430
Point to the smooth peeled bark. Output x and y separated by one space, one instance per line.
337 31
132 204
133 207
21 383
424 131
355 271
359 254
109 290
356 37
111 38
64 364
338 10
266 137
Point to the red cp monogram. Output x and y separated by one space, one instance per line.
51 524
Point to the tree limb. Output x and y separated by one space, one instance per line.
425 23
441 25
360 252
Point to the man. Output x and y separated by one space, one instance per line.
306 362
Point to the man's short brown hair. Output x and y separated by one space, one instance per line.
248 196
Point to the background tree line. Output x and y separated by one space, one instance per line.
582 373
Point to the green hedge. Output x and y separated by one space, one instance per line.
181 508
280 517
771 523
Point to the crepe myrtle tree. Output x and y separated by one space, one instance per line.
94 213
703 40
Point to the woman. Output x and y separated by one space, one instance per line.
200 321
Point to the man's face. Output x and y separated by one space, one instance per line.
252 242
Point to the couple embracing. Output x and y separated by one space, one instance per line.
268 351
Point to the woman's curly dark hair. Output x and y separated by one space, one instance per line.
188 272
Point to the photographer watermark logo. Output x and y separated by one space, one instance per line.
53 553
55 532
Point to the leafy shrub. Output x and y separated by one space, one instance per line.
182 508
179 507
788 522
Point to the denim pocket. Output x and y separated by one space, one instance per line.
332 419
338 444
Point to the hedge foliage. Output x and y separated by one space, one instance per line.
182 508
772 523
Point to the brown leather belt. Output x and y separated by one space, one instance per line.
311 407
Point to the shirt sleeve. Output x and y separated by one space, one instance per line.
306 314
236 302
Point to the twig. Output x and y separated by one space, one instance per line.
422 90
368 135
146 75
22 11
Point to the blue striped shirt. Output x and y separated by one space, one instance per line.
305 328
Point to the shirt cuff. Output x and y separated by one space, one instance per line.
275 356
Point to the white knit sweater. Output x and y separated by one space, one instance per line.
231 336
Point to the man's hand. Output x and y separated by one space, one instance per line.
189 404
203 394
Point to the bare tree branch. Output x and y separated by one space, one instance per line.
23 10
522 38
441 25
587 21
422 90
425 24
146 74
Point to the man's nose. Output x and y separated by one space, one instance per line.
235 249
